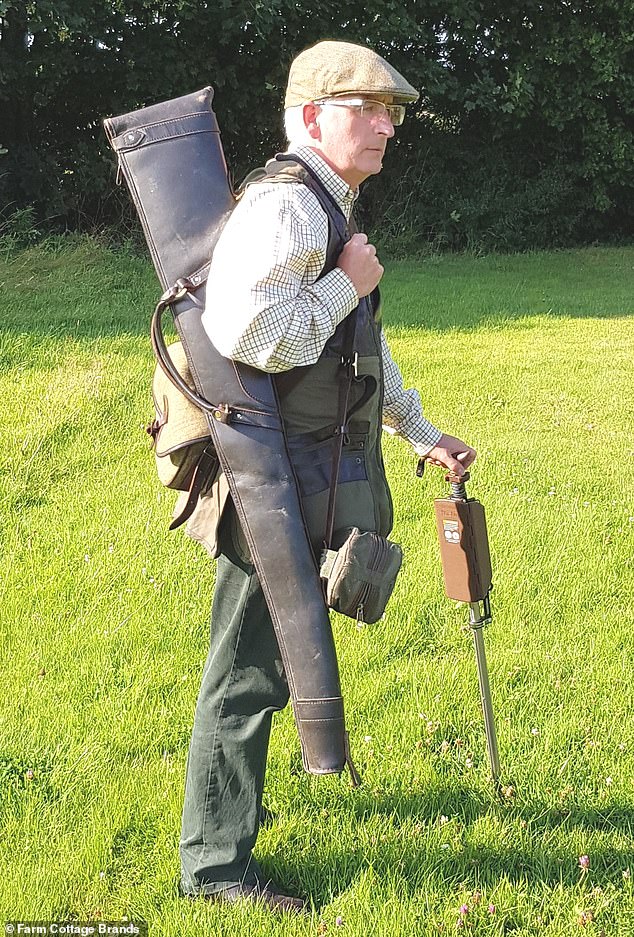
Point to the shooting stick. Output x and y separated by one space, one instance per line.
466 564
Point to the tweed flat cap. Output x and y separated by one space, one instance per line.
330 69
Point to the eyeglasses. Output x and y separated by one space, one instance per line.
372 110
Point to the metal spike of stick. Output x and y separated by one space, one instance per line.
466 564
477 622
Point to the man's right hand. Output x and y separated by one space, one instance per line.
358 259
452 454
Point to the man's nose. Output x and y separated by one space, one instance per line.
385 126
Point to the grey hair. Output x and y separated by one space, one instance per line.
296 132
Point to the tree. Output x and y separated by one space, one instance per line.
530 143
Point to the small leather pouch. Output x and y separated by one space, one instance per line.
360 576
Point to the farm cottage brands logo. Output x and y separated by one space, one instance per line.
76 928
451 530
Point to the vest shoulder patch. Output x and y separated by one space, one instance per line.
287 171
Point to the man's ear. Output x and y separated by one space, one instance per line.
310 113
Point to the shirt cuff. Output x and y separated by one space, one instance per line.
422 435
432 438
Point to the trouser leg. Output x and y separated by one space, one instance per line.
243 683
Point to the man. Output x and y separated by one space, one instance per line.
276 302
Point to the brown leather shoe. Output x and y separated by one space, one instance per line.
267 895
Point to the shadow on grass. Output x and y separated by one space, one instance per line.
60 326
90 291
539 857
466 292
78 290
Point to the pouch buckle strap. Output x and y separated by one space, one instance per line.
207 464
154 428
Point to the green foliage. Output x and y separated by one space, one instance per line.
530 144
19 229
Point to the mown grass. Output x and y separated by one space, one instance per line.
105 620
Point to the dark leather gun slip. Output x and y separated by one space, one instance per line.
171 157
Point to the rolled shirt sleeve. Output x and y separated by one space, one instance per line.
402 409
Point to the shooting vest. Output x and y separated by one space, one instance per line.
309 401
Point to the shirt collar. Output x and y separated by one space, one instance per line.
344 196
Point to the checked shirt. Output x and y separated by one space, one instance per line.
266 306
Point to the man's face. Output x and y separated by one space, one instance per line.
352 143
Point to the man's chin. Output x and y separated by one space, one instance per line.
375 163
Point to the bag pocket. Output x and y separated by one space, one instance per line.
360 576
179 432
312 462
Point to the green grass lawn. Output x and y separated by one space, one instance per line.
105 620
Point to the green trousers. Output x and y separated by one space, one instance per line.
243 683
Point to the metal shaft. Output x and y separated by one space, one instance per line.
477 623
